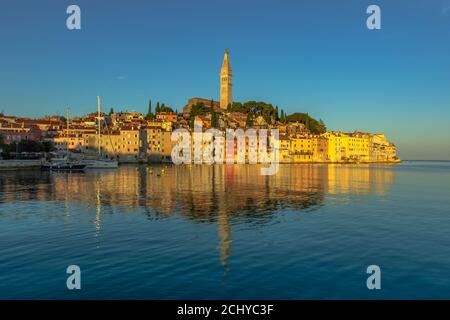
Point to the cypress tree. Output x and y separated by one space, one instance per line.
149 112
214 119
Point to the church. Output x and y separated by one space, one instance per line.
226 90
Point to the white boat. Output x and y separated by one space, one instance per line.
100 164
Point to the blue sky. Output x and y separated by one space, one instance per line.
307 56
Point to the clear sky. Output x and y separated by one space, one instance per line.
307 56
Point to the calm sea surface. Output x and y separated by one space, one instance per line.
212 232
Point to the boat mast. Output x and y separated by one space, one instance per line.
99 127
67 128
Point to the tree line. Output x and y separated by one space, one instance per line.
273 114
160 107
28 146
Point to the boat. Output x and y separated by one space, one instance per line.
64 166
100 163
58 157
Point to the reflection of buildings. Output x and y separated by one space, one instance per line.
204 194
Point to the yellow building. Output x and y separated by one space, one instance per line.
153 142
158 143
381 150
301 149
124 144
285 152
320 148
336 146
347 147
75 140
377 145
356 147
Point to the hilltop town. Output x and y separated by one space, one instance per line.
130 136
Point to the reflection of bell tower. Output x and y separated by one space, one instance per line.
225 237
226 76
223 218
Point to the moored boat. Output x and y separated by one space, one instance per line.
100 164
64 166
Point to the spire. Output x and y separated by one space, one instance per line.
226 63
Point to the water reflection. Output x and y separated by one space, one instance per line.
225 195
200 193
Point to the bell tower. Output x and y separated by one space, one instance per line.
226 76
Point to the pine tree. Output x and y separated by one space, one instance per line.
284 118
158 108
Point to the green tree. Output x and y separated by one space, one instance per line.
214 119
157 107
314 126
3 147
111 111
30 146
149 115
6 151
48 146
165 108
249 120
198 109
322 125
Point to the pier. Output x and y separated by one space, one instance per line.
19 164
